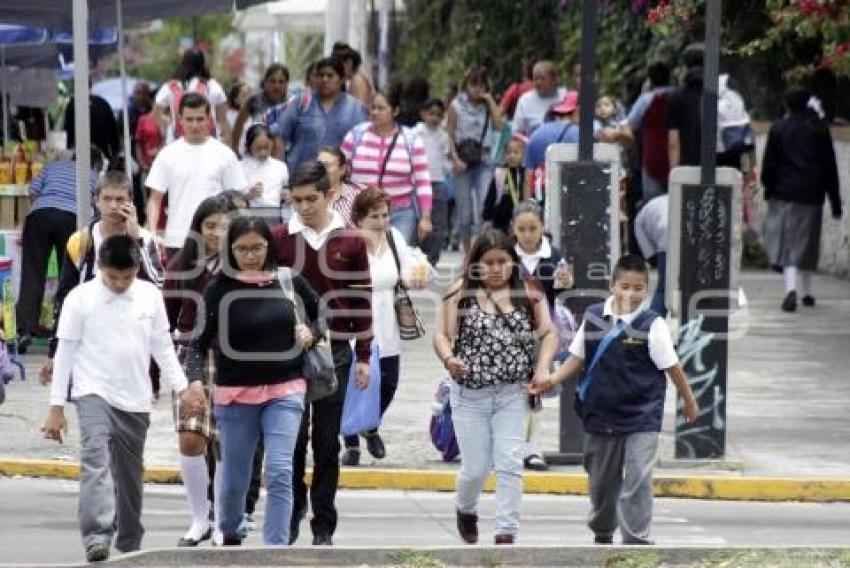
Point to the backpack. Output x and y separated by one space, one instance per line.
177 94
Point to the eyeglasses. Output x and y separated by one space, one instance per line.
256 250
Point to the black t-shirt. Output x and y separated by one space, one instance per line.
684 113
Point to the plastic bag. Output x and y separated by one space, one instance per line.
441 427
361 410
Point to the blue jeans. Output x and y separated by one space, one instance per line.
658 299
406 221
471 187
240 426
490 426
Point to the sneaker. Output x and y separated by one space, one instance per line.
97 552
249 522
808 301
789 304
503 539
467 527
535 463
351 457
375 445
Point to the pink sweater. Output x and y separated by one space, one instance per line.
404 172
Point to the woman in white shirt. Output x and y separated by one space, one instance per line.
371 214
266 176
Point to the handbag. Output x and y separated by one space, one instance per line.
319 368
471 151
361 411
410 324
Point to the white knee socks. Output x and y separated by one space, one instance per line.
790 273
196 478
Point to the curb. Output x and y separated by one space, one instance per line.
685 486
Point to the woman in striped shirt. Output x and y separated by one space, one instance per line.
342 193
387 156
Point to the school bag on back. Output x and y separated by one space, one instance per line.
177 94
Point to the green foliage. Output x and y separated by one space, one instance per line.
156 55
415 559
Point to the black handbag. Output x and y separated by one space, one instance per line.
471 151
319 368
410 324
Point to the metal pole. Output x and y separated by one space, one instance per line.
711 70
587 95
3 95
128 144
81 111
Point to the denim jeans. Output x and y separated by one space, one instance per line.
240 426
490 427
470 188
651 186
406 221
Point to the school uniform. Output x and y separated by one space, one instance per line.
621 405
106 341
541 266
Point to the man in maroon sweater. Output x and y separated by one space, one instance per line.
316 245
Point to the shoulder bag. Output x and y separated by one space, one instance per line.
410 324
471 151
319 368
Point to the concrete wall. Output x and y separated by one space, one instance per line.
835 238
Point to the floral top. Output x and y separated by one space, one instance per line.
497 347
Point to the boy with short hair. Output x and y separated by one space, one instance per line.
436 141
620 398
108 331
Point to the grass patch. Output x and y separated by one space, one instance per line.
802 558
415 559
638 559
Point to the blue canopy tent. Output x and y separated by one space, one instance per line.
54 14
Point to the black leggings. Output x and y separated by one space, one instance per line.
389 384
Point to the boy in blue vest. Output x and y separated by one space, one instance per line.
624 349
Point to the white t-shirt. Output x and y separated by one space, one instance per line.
106 341
272 173
384 274
531 110
661 348
188 174
651 226
436 142
165 98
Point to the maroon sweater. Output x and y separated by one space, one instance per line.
339 273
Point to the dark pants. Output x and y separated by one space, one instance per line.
433 245
389 384
44 230
658 298
324 437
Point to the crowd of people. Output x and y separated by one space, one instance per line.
277 226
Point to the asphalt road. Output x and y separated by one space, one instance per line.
38 521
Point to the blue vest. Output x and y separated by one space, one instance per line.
627 391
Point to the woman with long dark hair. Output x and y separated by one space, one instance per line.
265 107
259 381
490 326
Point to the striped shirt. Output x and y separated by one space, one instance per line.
56 187
404 174
345 202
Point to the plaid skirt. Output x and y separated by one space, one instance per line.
202 423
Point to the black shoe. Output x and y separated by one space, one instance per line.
789 304
322 540
467 527
232 541
375 445
97 552
351 457
191 542
535 463
603 539
639 542
24 342
808 301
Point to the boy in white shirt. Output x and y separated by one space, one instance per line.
436 141
108 331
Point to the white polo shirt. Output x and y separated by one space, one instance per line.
316 240
660 344
106 341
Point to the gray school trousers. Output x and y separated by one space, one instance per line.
619 469
112 443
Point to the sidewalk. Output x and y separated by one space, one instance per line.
788 391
